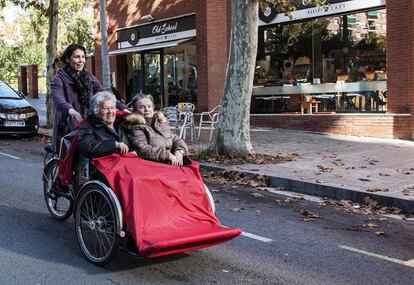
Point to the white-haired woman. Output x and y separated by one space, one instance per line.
149 133
99 136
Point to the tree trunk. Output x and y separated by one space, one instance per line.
106 73
233 136
51 54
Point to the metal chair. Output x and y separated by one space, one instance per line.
209 119
181 120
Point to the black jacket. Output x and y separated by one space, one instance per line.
95 139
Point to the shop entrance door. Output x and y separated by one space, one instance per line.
153 79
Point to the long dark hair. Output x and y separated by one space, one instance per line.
69 51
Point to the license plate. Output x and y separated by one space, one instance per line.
14 124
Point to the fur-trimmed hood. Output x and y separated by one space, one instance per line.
137 119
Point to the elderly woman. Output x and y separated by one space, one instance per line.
99 136
149 133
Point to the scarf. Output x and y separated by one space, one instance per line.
81 80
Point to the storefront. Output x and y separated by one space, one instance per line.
160 60
346 70
323 60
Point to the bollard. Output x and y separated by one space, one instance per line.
22 79
33 81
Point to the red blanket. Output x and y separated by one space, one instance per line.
165 207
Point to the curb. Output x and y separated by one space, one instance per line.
327 191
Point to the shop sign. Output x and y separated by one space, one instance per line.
270 16
157 32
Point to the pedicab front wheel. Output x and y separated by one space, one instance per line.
57 202
96 224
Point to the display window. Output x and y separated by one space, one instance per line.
169 74
326 65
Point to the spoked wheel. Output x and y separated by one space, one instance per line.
57 202
96 224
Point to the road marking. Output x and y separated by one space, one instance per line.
9 155
292 194
256 237
409 263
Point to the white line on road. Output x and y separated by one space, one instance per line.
256 237
9 155
292 194
409 263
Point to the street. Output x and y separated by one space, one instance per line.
282 243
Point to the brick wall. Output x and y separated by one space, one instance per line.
400 61
212 51
381 125
410 90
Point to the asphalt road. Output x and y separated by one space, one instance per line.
279 247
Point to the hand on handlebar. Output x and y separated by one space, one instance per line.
74 114
122 148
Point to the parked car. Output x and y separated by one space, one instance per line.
17 116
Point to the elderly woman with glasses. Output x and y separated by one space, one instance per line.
99 136
149 133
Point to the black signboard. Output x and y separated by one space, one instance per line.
156 31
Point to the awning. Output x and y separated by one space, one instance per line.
148 47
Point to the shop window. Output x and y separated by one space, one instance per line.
346 53
180 74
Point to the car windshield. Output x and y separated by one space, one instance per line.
7 92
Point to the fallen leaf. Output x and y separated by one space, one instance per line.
257 195
379 233
308 215
378 190
236 209
214 190
370 225
324 168
338 162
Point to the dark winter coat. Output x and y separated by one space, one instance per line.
96 139
65 96
153 141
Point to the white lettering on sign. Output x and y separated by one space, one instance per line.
327 8
156 30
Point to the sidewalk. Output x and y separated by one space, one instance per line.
333 166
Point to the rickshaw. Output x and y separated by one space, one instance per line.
74 187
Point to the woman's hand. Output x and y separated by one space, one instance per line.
179 155
75 114
126 110
122 147
173 159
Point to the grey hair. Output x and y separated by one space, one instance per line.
139 97
97 99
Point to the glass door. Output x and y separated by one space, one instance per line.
152 77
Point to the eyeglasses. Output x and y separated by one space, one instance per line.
108 109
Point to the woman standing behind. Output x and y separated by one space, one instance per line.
72 88
150 135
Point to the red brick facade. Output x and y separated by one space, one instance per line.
213 30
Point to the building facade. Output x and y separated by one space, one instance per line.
177 50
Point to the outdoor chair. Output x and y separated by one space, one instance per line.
180 120
209 119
